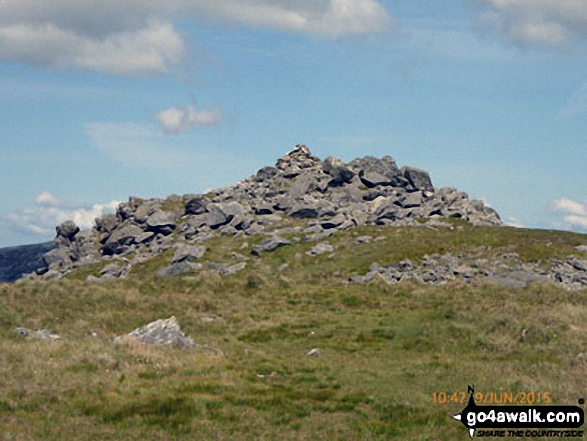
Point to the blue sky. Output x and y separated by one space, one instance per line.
148 98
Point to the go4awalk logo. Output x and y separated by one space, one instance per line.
518 421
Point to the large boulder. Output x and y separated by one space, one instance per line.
161 332
197 204
417 179
67 229
161 222
122 238
339 172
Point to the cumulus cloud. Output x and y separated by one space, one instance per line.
569 214
175 120
148 51
50 211
544 22
136 37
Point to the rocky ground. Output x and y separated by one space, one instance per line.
326 196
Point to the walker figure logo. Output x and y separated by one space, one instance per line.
476 417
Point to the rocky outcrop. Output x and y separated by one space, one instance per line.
329 194
507 270
161 332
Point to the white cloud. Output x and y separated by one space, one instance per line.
568 206
136 37
514 222
174 120
570 214
543 22
147 51
50 211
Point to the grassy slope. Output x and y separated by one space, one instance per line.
385 349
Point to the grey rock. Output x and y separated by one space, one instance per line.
417 179
67 229
161 332
373 179
161 222
217 217
582 248
34 334
302 185
323 247
196 205
106 223
333 222
179 268
580 265
232 269
121 238
269 244
363 239
188 253
338 172
516 279
58 257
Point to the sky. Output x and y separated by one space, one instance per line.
100 101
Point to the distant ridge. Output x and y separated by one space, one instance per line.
16 261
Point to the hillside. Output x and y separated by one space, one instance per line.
304 327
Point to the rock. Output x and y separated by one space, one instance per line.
161 222
302 186
373 179
323 247
58 257
581 248
262 209
269 244
188 253
363 239
232 269
67 229
314 352
417 179
107 223
161 332
217 217
179 268
333 222
338 172
196 205
580 265
516 279
121 238
114 271
282 267
33 334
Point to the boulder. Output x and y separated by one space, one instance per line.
67 229
322 247
188 253
179 268
417 179
216 217
269 244
161 332
197 205
34 334
372 179
106 223
338 172
121 238
161 222
232 269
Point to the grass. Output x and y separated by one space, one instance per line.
385 349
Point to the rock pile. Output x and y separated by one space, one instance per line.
507 270
329 194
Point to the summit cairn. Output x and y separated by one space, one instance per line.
329 194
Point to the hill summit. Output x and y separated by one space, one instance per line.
328 195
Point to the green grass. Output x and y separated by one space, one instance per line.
385 349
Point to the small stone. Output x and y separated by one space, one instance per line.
323 247
314 352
